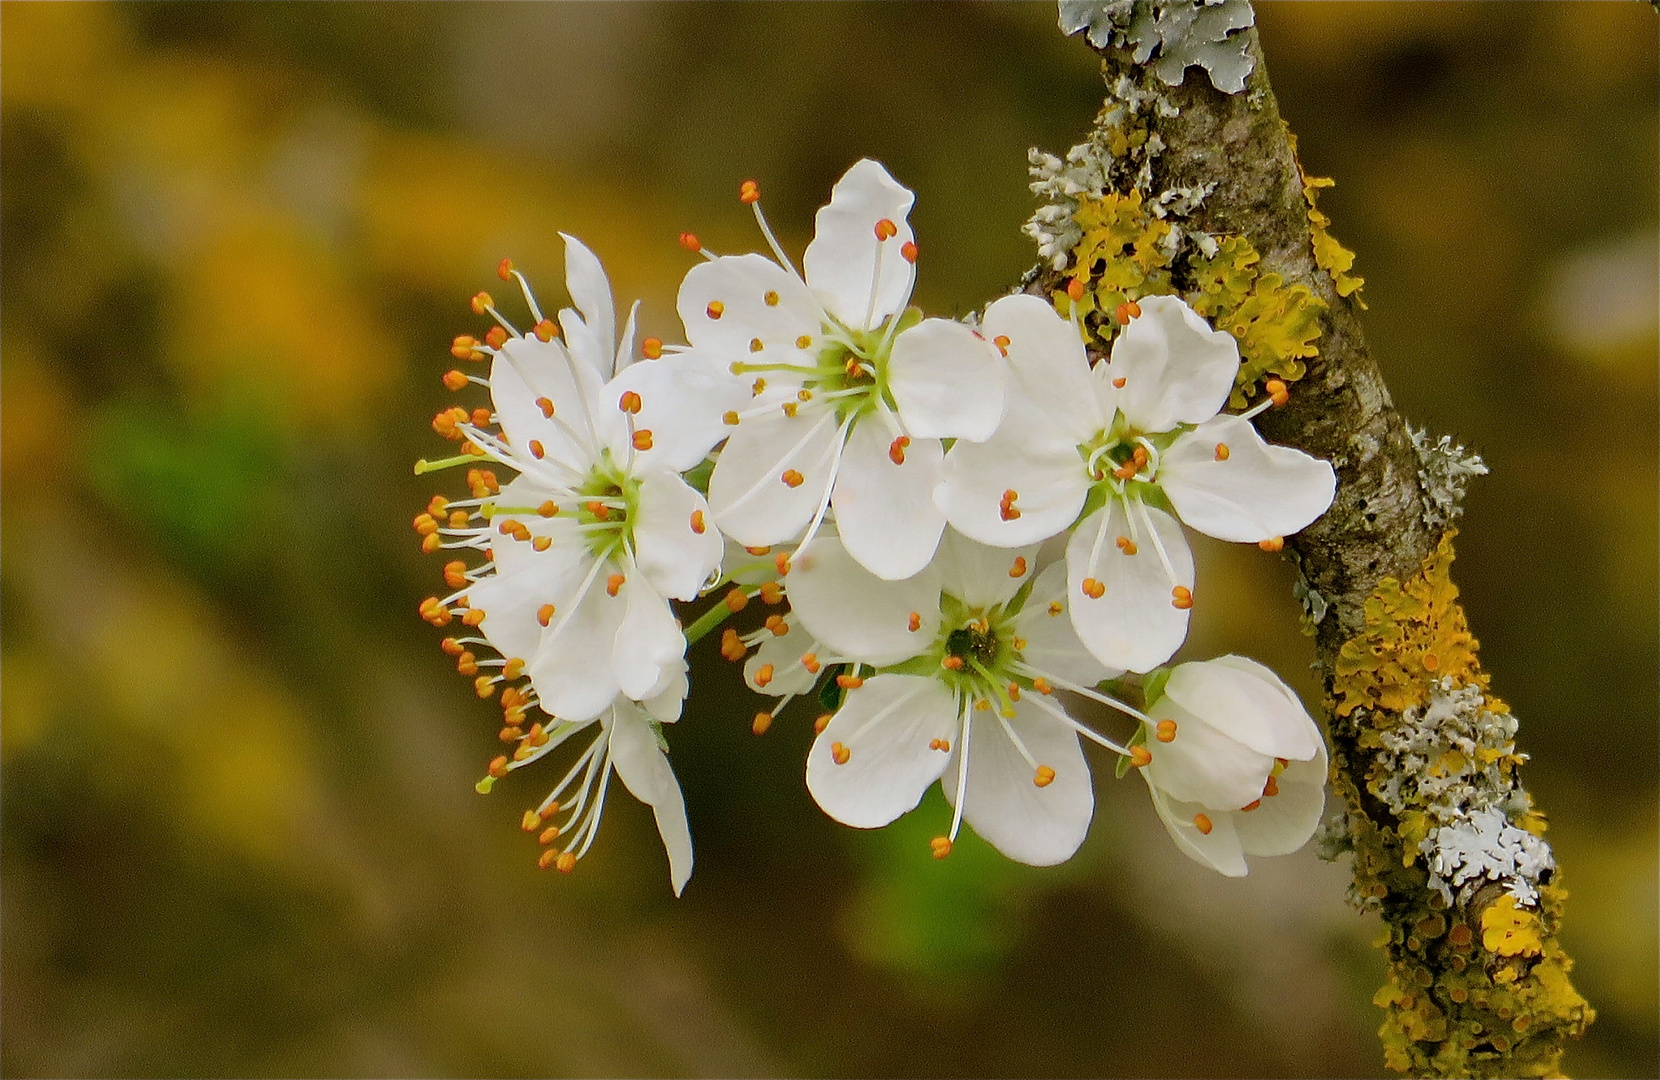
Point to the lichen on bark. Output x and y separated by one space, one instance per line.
1182 190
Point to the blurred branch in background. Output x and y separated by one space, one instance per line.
239 829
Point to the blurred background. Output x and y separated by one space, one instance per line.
239 830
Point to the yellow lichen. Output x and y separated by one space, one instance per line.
1332 257
1276 324
1120 258
1508 930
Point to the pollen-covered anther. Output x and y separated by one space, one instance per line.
983 705
777 625
839 753
1093 588
938 744
886 229
1181 597
1018 568
1044 776
546 405
1075 289
548 509
1271 787
730 418
1127 470
762 721
1222 451
480 418
565 863
772 593
510 734
614 584
1126 311
756 345
952 663
757 388
849 682
715 309
455 574
1252 805
731 646
782 562
1005 506
1055 608
1014 691
598 509
1118 383
536 450
749 192
790 408
907 251
1277 392
465 347
484 686
770 298
451 646
915 622
1273 543
1041 685
1202 823
496 337
690 242
514 668
697 522
1002 343
896 449
1140 756
498 767
546 330
467 664
629 402
473 617
549 835
425 525
822 722
531 821
652 348
481 303
545 613
504 269
642 439
454 380
763 675
458 519
810 662
1126 545
941 846
1165 731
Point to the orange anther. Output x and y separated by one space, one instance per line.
467 664
715 309
1044 776
937 744
941 846
849 682
736 600
629 402
484 686
810 662
1222 451
907 251
549 835
536 450
547 859
425 525
1093 589
451 646
565 863
473 617
1008 512
1273 543
772 593
1271 787
732 646
896 449
916 621
698 526
1140 756
514 668
504 269
763 676
481 303
689 241
1166 731
1041 685
792 478
762 721
454 380
458 519
465 347
546 405
480 417
759 551
546 330
498 768
651 348
1277 393
614 584
597 509
431 544
839 753
1118 383
642 439
790 408
1202 823
730 419
1002 343
510 734
544 614
1139 456
530 822
777 625
455 574
782 562
1252 805
1075 289
886 229
770 299
1181 597
749 191
496 337
1126 545
1018 569
952 663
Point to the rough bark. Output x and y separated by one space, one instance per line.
1478 983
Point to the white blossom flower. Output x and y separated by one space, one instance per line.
586 546
950 679
847 392
1117 444
1238 766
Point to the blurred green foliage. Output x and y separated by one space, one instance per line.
237 824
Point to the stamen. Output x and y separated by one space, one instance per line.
907 251
1277 392
770 298
481 303
748 192
731 646
1118 383
1202 823
1002 343
810 662
1272 787
1273 543
1019 567
715 309
763 676
821 723
642 439
546 330
762 721
545 613
614 584
941 846
1126 545
546 405
952 663
886 230
896 449
839 753
630 402
1127 311
1140 756
849 682
465 347
777 625
915 621
1041 685
792 478
1093 588
455 380
1044 776
772 593
1181 597
698 526
1222 451
496 337
1166 731
1075 290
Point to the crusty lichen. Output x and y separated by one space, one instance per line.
1446 844
1170 35
1444 474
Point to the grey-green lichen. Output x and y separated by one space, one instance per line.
1170 37
1444 474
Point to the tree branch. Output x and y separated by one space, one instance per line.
1191 190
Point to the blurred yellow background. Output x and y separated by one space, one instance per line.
239 830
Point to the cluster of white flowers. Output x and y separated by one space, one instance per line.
973 527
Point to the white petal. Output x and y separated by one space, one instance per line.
1219 849
1052 645
783 655
885 512
668 548
1247 702
1048 363
526 370
1029 455
886 726
1176 369
586 282
669 695
982 576
751 502
1133 625
572 669
1258 491
1201 765
683 399
841 261
856 613
947 381
646 772
1041 826
648 641
1284 822
723 305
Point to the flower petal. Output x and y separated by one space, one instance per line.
1284 822
886 727
1176 369
841 262
1048 363
724 305
885 512
1052 645
648 641
1248 703
1133 624
1201 765
683 399
591 293
947 381
572 669
856 613
1219 849
669 695
1254 492
982 576
668 547
751 501
783 655
646 772
1028 455
526 370
1040 826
